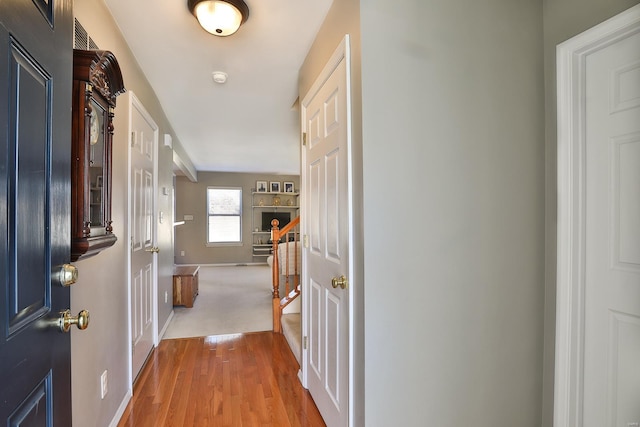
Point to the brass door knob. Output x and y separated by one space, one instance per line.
339 281
153 249
68 275
67 320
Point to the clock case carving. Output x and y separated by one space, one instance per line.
97 81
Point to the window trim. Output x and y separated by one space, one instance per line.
240 215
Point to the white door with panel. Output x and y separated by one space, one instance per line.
607 221
326 227
143 171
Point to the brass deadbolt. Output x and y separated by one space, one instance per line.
68 275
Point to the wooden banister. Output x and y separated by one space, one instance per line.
277 233
290 293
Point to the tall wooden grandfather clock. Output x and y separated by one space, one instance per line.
97 81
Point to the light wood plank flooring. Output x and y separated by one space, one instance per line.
228 380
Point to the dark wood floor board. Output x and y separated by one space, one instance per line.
233 380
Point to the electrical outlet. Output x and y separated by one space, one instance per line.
181 253
166 297
103 384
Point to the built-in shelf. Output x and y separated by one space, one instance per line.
275 206
264 202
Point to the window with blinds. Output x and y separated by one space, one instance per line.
224 207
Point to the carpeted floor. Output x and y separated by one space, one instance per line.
231 300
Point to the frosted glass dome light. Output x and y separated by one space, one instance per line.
220 17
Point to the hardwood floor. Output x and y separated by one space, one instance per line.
228 380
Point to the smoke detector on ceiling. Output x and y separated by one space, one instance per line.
219 77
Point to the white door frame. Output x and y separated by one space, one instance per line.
133 102
341 53
571 276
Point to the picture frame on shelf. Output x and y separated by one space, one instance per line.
275 186
99 181
261 186
288 187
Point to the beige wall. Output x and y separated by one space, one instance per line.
191 199
563 19
102 285
453 111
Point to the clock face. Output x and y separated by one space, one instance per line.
94 127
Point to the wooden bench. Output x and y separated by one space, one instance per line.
185 285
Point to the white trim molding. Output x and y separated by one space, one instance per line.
570 321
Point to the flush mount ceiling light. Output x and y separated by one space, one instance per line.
220 17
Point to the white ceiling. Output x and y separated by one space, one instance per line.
249 124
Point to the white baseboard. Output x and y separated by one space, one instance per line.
166 325
230 264
123 406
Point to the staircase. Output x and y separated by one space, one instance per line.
286 271
292 331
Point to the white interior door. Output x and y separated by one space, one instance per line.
612 297
601 378
326 222
143 183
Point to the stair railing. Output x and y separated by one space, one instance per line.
290 234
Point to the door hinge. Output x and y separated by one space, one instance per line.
304 343
305 241
304 138
133 139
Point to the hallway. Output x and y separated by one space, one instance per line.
228 380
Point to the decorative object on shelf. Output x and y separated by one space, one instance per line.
261 202
219 17
97 81
288 187
261 186
275 187
290 202
276 200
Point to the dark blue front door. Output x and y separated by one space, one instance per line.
35 147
